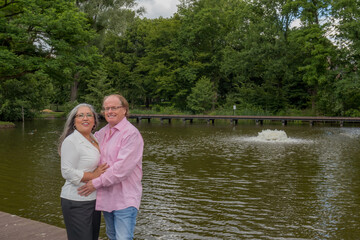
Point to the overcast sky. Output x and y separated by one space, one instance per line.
157 8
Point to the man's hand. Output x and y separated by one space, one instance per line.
86 189
100 170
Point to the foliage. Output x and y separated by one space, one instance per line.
7 124
266 57
98 87
108 17
353 113
201 96
347 81
42 44
69 106
257 59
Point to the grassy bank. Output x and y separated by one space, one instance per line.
7 124
50 114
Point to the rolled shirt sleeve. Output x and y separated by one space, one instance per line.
69 160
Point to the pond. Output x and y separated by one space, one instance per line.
208 181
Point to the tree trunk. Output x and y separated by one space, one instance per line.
74 88
74 91
313 100
214 102
147 102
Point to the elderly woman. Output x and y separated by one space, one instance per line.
80 156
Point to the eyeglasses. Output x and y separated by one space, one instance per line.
112 108
82 115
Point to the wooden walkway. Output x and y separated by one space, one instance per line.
258 119
17 228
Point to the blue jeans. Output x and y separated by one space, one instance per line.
120 224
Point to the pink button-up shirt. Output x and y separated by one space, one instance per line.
120 186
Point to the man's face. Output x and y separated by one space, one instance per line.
114 112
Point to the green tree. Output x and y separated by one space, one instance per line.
37 37
256 59
109 16
99 86
124 53
160 62
347 37
312 45
201 96
247 49
204 26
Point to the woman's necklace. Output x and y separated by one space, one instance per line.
91 140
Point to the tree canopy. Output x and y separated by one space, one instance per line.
276 56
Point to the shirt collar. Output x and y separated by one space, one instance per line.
80 138
120 125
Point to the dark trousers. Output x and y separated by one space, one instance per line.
81 219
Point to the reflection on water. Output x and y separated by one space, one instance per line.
209 182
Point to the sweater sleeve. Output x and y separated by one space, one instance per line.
69 160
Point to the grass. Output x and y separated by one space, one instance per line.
51 115
6 124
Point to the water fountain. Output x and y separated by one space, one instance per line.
272 135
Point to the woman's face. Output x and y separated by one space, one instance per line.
84 120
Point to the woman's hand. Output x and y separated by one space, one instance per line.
86 189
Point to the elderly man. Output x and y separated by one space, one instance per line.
119 189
